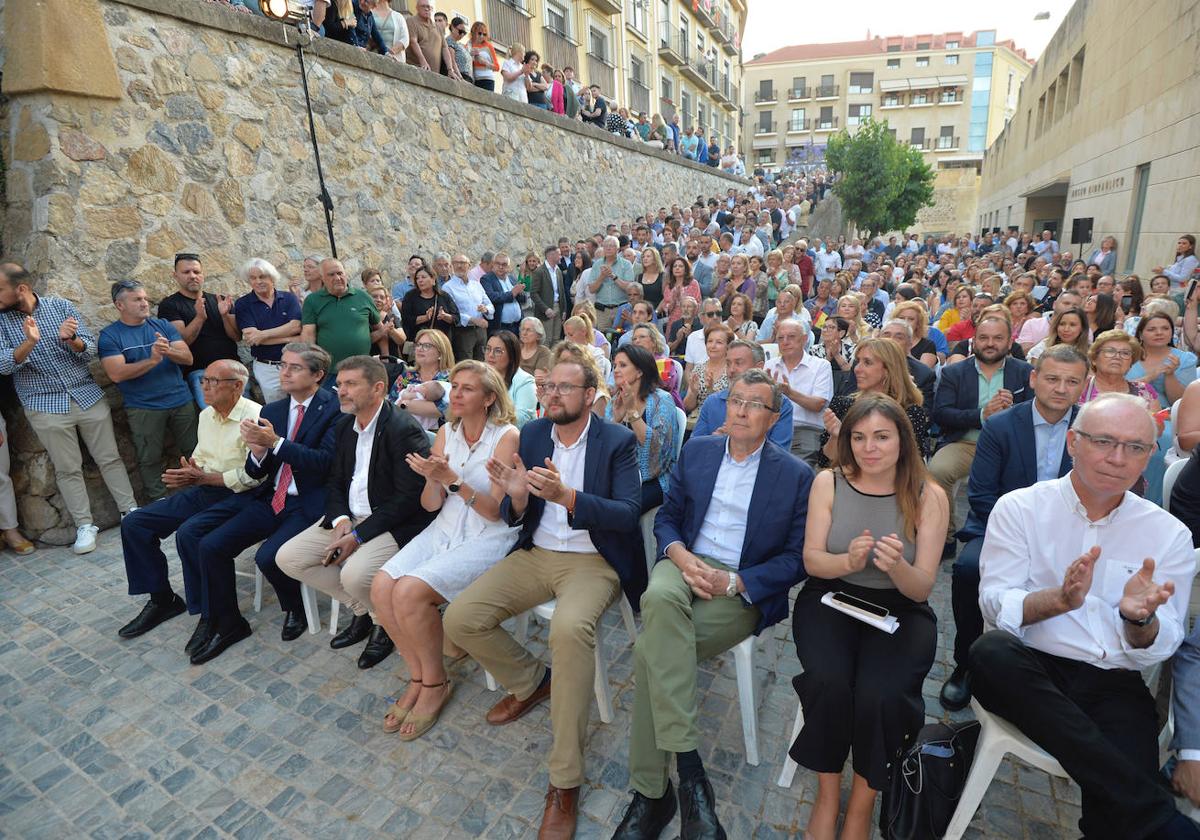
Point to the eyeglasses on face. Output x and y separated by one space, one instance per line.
210 382
1107 444
750 405
712 314
425 345
563 388
1116 353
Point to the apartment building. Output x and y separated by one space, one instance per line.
1106 136
653 56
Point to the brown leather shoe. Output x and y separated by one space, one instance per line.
510 708
17 542
562 809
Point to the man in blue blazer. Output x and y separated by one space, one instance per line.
731 540
291 447
1185 670
1017 448
505 295
575 490
970 392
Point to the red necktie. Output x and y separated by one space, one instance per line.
285 472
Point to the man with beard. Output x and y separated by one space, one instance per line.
205 321
575 489
970 392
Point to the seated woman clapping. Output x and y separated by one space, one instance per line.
465 540
875 528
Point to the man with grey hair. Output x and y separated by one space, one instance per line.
741 357
142 356
1073 635
727 559
695 351
505 293
805 380
611 277
475 310
216 471
900 331
269 318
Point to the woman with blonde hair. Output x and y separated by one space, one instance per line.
850 306
712 375
567 349
650 276
879 368
587 310
465 540
578 330
422 386
923 349
1021 306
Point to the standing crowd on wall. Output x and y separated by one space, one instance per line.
450 440
463 51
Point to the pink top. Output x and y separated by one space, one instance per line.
557 103
674 300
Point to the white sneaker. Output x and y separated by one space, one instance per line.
85 539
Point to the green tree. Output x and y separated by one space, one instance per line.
881 183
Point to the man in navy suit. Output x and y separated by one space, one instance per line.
575 490
1185 670
290 447
970 392
505 295
1017 448
731 540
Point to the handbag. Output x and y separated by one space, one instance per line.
929 776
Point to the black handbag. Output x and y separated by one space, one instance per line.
928 777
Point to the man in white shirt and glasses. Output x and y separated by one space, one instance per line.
1064 664
805 380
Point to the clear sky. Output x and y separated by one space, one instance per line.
772 24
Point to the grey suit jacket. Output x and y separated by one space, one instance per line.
542 292
1185 668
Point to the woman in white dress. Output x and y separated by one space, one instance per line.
465 540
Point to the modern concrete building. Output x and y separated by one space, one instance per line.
1106 134
652 56
948 94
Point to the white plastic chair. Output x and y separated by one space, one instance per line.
258 585
743 663
771 351
789 767
1169 477
680 429
308 597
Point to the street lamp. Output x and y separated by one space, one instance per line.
297 12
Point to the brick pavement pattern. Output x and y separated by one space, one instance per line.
108 738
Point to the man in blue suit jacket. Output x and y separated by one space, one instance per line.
505 295
1018 447
293 441
970 392
575 490
731 540
1185 669
741 356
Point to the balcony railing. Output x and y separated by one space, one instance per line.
829 124
610 6
950 98
672 47
701 71
639 96
724 89
561 51
508 22
826 91
730 32
768 128
799 94
945 143
761 96
600 72
799 125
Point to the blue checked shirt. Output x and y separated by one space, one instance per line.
53 374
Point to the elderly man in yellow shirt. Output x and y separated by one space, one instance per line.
216 470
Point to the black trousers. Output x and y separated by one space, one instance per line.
652 495
964 598
210 541
861 687
1099 724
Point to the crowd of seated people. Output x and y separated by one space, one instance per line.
487 435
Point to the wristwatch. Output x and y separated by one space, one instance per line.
731 589
1142 622
454 486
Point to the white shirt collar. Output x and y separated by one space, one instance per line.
1076 506
550 267
582 437
370 429
306 403
753 459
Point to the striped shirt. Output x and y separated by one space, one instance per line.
52 374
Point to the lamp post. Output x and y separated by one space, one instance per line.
296 12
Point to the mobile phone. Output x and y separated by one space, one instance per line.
1191 288
1127 303
860 605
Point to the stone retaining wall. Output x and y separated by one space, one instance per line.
207 149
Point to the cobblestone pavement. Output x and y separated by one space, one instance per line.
114 739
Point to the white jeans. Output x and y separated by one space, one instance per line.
267 377
8 501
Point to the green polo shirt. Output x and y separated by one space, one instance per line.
988 388
343 324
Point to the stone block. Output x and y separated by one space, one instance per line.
229 197
150 170
78 146
114 223
32 141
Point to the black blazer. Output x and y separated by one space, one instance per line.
956 403
393 489
310 454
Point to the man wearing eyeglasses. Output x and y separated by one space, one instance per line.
1087 585
142 356
45 347
730 542
215 471
695 352
575 490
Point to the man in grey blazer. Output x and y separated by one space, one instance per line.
1186 743
549 291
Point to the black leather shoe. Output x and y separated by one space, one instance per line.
698 811
219 640
359 629
646 817
294 625
378 649
956 691
199 637
151 616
